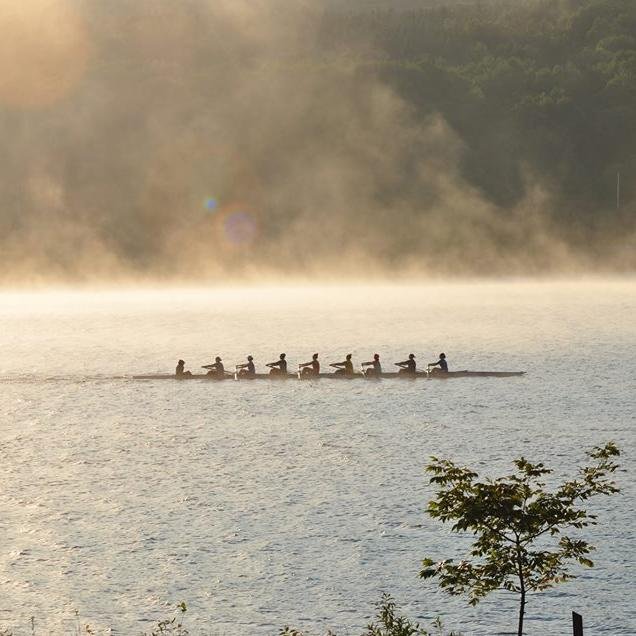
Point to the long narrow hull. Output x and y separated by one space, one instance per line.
336 376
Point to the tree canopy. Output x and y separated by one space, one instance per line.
513 519
539 84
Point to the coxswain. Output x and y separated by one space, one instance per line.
310 368
376 369
279 367
408 366
343 368
217 369
180 372
441 363
248 369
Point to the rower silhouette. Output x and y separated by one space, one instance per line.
441 363
217 369
248 369
408 367
343 368
180 372
310 368
279 367
376 367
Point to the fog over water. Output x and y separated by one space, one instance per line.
262 504
192 178
189 140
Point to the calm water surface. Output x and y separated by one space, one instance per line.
263 504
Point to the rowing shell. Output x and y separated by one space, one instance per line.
338 376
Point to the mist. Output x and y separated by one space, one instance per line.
221 140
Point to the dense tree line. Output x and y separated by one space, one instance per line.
539 85
119 134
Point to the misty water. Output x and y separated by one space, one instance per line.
265 503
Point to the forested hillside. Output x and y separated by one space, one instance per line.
540 85
195 138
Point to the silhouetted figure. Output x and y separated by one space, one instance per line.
408 366
180 372
248 369
217 369
279 367
376 367
310 368
343 368
441 363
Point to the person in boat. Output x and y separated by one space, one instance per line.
180 370
441 363
310 368
279 367
248 369
343 368
217 369
408 366
376 367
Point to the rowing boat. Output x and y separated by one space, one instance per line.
337 376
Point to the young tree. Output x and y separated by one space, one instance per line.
513 518
388 622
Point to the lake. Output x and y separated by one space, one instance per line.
262 504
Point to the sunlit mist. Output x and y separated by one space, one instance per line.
44 52
226 140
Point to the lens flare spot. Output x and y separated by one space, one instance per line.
211 204
240 228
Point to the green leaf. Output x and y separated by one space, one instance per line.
508 517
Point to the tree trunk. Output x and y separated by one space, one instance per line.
522 587
522 607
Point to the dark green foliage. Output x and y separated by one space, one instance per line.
540 96
538 85
513 518
387 623
170 627
289 631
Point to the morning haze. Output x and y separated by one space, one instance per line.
273 272
195 140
